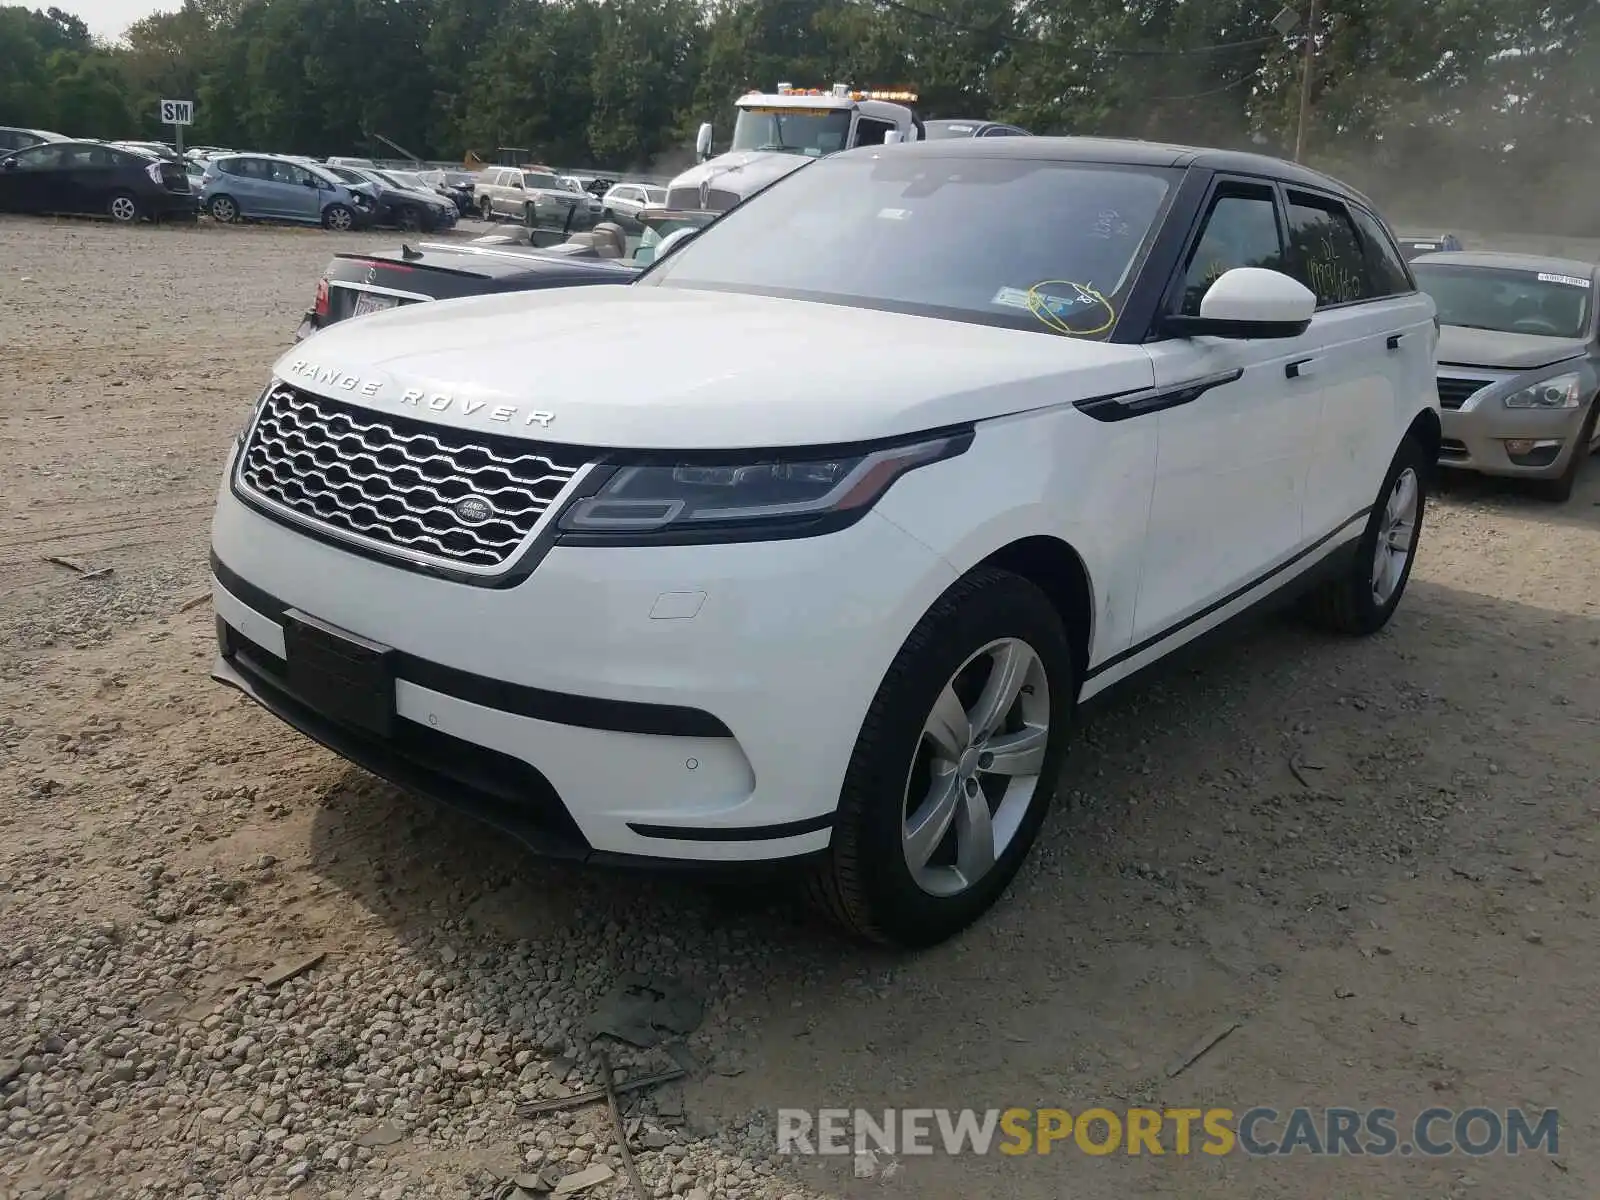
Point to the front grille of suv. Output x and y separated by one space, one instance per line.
1453 393
397 483
687 199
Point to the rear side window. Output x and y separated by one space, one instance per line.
1385 268
1324 251
1241 230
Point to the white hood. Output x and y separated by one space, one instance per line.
675 369
742 171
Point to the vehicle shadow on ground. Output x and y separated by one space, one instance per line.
1225 831
1516 496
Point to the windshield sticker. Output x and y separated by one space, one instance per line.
895 214
1569 280
1066 307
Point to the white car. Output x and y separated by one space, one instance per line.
628 200
807 545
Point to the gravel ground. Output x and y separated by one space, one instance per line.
235 966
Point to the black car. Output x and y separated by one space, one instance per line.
95 179
12 138
933 131
459 186
356 284
397 206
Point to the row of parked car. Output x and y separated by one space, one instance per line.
42 171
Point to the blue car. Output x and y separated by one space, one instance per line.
270 187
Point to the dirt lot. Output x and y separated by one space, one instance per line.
1378 858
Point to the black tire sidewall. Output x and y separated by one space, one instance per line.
994 605
1369 613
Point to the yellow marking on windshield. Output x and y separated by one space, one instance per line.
1050 310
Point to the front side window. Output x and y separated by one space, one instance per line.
1508 300
1051 247
809 131
1241 230
1324 251
540 179
870 132
39 158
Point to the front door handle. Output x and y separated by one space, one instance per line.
1393 340
1300 368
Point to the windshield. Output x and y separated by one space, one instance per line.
655 195
1047 246
1551 304
938 131
408 180
811 131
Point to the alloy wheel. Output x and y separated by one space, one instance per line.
1396 533
124 209
338 219
976 768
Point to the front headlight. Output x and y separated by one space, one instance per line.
718 498
1563 391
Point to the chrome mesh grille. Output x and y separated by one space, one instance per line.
396 482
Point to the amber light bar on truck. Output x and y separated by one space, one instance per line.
841 91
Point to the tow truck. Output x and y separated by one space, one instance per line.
778 132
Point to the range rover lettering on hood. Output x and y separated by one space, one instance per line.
417 398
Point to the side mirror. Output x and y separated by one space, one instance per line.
674 240
702 142
1247 303
892 138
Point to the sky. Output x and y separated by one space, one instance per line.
110 18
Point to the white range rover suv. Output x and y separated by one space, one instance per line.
807 545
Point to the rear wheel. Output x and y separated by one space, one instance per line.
1560 488
123 208
224 209
339 218
486 209
954 767
1361 599
409 219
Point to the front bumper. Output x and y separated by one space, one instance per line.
689 703
1475 438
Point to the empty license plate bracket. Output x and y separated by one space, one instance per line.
341 675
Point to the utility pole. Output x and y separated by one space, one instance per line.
1305 82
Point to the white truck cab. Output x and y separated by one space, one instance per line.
777 132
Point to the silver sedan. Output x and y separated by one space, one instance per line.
1519 363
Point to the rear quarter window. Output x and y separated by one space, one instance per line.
1386 268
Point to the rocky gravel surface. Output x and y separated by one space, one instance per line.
231 965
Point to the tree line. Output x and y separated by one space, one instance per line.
1453 100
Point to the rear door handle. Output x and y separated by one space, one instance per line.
1300 368
1394 339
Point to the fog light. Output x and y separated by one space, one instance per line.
1533 452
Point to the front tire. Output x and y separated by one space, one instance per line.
954 767
486 209
1360 600
1559 489
338 218
410 219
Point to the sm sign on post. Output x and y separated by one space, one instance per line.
177 112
